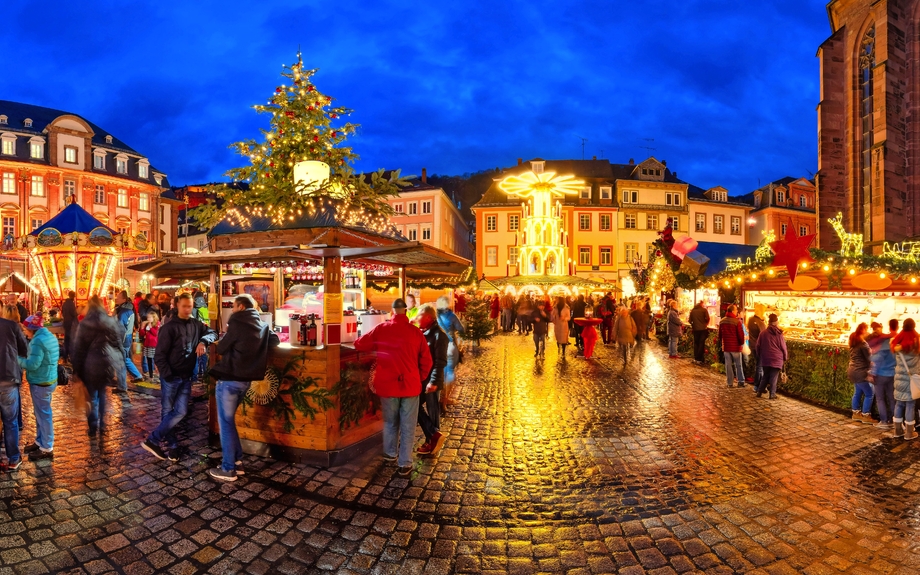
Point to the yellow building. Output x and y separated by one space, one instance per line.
715 217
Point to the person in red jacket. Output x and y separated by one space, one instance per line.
403 360
731 332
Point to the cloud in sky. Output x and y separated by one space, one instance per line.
726 90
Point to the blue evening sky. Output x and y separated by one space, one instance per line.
727 90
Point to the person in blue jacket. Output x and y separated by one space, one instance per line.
42 375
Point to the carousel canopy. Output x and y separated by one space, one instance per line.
71 219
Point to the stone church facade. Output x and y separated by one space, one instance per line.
869 122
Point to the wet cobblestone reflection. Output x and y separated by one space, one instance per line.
549 467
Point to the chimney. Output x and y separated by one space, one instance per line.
664 163
674 174
520 161
424 176
593 157
632 162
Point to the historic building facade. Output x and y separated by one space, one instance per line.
869 122
787 203
425 213
48 156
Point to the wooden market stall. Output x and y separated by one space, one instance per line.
315 404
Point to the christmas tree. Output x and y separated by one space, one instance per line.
479 325
304 126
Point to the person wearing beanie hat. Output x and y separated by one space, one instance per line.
41 373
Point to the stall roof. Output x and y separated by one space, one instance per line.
718 254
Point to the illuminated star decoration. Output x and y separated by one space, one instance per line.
792 251
529 183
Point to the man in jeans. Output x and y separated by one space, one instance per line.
126 316
243 352
403 359
179 344
731 333
699 323
13 345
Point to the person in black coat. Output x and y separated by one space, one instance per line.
69 317
429 414
179 344
97 358
578 310
244 352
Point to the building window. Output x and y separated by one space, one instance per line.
630 221
142 171
630 252
514 223
70 188
630 196
718 224
38 186
121 166
99 196
426 233
606 256
584 256
124 231
9 226
122 198
675 223
606 192
143 202
780 198
9 183
606 223
491 223
736 225
413 208
803 201
513 255
651 222
866 97
37 223
426 207
9 146
398 208
70 154
99 161
584 222
27 122
803 230
782 229
412 234
492 256
585 194
162 215
672 199
2 119
701 222
36 150
650 250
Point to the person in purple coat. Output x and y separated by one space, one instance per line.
772 354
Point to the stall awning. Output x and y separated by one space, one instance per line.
415 255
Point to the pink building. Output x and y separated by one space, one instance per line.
427 214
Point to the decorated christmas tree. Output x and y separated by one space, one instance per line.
305 126
478 324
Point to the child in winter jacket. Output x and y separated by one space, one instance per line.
148 333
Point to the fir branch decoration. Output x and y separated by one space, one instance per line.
305 125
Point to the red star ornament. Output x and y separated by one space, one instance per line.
792 251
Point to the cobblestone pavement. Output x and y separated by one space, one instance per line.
550 466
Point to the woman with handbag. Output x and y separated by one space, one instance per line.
906 346
858 374
772 354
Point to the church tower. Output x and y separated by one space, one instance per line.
869 122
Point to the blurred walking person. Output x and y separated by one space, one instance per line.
560 316
98 358
731 333
540 321
624 332
906 346
244 352
675 329
453 327
881 372
124 311
69 317
42 375
699 325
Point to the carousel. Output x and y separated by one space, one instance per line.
75 252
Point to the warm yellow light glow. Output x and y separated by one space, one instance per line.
804 265
852 272
827 268
913 280
770 272
881 275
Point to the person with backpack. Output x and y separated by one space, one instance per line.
98 358
731 335
906 346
